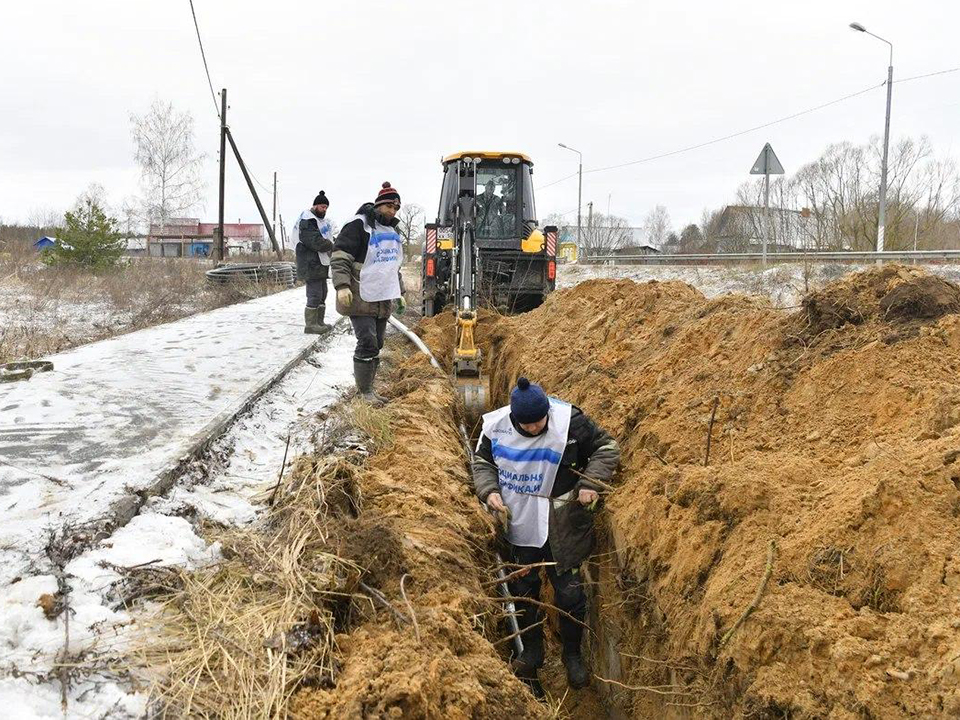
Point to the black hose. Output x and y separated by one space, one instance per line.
277 273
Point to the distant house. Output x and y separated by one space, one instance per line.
188 237
136 246
44 243
740 229
568 251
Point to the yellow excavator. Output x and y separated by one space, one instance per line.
485 249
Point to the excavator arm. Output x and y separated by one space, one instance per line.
471 383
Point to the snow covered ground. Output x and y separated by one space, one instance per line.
69 483
784 284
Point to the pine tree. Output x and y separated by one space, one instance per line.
90 237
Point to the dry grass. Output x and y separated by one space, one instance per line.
373 423
236 640
44 310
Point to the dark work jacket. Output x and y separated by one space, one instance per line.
311 244
349 253
592 453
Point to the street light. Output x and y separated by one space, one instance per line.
579 191
881 225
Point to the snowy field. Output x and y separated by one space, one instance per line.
784 284
47 310
221 486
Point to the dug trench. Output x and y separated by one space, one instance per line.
781 540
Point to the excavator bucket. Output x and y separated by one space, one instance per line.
475 393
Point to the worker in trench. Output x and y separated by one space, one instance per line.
366 262
314 235
536 465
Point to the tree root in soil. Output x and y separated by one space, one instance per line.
768 571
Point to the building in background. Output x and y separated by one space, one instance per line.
44 243
188 237
568 251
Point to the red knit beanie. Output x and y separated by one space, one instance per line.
387 195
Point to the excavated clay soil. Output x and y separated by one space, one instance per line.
836 435
417 517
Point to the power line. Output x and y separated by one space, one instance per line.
920 77
753 129
741 132
566 177
204 56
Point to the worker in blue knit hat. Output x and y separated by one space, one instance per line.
539 464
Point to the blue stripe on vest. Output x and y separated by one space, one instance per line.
525 455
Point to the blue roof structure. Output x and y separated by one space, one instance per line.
44 243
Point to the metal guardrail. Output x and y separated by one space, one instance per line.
850 256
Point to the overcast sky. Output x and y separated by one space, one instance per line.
341 96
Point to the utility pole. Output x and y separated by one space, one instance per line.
882 223
579 193
253 191
218 240
882 219
274 203
590 221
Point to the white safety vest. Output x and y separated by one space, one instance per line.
527 467
326 230
380 275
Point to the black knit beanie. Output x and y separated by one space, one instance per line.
528 402
387 194
321 199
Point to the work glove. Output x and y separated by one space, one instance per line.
345 296
401 306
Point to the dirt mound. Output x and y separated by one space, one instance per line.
359 594
833 433
419 525
892 293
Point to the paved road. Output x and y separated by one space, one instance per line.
116 417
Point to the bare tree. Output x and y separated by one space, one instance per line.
606 234
170 165
656 226
45 219
710 226
411 218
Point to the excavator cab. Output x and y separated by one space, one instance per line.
485 249
516 262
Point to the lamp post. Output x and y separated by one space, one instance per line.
881 224
579 191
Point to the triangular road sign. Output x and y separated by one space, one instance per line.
768 163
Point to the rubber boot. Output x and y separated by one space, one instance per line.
313 321
577 674
363 373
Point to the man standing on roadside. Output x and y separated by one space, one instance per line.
314 245
540 462
366 264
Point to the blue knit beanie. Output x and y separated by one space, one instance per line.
528 402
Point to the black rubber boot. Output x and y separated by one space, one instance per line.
363 373
313 321
577 674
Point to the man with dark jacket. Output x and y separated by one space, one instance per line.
314 245
535 463
366 264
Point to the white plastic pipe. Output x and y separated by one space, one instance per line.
412 337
